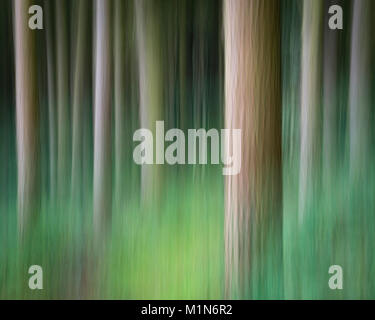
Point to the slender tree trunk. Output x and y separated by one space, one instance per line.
182 43
310 151
51 84
63 123
331 94
360 89
169 24
79 95
27 114
103 114
291 44
119 103
361 130
150 84
253 211
7 123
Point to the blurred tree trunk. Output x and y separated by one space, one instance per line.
103 115
51 84
331 97
253 218
310 151
27 114
360 89
361 134
170 51
79 94
182 48
199 73
199 63
7 123
120 102
150 64
63 121
291 80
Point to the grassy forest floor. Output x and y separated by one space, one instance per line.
176 251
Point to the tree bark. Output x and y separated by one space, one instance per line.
27 114
310 151
119 103
103 114
253 210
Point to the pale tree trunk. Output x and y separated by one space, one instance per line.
310 151
119 103
182 43
103 114
360 89
150 85
253 210
27 115
79 95
51 80
170 52
361 131
63 123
